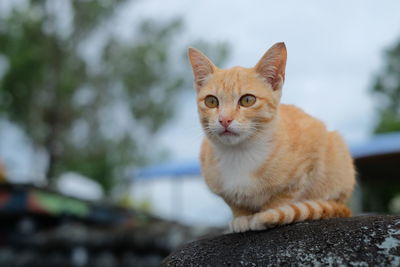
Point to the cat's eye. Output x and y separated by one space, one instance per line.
211 101
247 100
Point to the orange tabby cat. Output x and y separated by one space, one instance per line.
271 163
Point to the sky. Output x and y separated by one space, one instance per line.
334 50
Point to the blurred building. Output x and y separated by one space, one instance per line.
378 166
176 190
378 160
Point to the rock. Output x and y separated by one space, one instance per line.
356 241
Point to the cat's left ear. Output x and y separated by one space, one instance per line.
202 67
272 66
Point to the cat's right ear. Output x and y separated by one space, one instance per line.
202 67
272 66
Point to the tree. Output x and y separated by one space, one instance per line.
387 90
95 117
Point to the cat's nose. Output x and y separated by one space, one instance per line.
225 121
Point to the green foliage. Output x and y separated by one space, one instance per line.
376 197
93 117
387 92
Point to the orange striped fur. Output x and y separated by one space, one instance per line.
272 163
297 212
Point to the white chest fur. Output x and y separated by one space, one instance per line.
237 166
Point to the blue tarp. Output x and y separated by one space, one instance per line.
377 145
168 170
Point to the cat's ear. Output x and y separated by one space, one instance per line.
272 65
201 65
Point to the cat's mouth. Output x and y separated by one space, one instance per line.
226 132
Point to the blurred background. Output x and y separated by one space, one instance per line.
99 135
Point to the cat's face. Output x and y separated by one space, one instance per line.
237 104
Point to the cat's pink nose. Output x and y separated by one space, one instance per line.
225 121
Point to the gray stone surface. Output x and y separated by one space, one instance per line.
357 241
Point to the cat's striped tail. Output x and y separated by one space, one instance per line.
297 212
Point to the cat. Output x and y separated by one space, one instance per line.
272 163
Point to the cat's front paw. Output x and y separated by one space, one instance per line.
240 224
257 224
261 221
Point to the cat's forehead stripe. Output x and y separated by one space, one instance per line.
233 79
229 81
